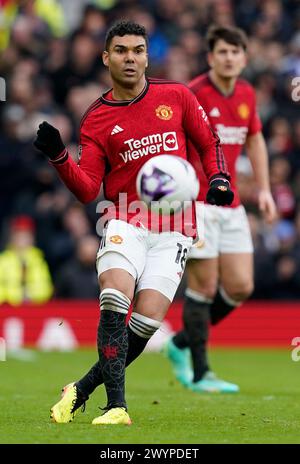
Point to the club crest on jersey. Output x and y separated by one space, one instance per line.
164 112
117 239
243 110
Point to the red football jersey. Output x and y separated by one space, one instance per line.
118 137
232 117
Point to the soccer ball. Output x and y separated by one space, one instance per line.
167 183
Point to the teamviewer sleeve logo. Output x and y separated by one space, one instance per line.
170 141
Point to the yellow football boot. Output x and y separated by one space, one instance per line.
113 416
65 410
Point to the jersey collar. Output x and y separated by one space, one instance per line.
228 95
125 102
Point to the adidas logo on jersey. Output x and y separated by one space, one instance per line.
215 113
116 130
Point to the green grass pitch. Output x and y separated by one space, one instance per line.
266 411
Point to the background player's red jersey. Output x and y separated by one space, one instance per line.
118 137
232 117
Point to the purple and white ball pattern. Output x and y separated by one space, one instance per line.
157 184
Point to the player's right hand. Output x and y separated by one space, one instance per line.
267 206
49 141
219 192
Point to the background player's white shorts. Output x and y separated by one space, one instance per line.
226 230
156 261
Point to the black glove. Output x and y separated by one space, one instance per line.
219 192
48 141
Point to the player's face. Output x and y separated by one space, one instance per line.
227 60
126 59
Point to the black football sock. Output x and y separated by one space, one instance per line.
140 330
196 318
180 340
137 340
221 306
91 379
112 349
112 343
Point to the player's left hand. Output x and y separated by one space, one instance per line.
49 141
219 192
267 206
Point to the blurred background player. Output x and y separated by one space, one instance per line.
134 264
220 272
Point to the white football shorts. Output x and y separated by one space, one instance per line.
226 230
156 261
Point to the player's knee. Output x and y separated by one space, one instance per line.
239 291
152 304
206 284
206 289
114 300
110 280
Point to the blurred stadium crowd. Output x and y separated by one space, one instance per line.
51 61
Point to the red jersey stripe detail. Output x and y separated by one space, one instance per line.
221 161
221 157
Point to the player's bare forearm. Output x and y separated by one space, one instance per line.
257 153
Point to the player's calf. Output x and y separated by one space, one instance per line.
238 292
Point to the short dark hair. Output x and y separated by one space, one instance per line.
122 28
231 35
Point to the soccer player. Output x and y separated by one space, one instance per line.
136 119
220 274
